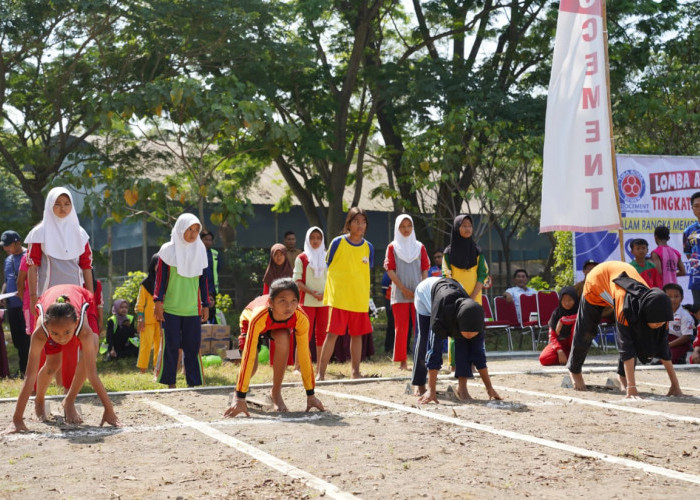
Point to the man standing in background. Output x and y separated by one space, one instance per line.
212 272
13 246
691 248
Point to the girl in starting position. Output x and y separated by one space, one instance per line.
278 319
62 324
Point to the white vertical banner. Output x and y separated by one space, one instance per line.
578 185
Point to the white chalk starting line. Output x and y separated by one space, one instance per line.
310 480
599 404
633 464
79 432
684 388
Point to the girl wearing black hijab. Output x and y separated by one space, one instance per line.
463 261
445 310
146 323
561 326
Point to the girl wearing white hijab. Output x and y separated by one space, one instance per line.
407 264
310 272
58 249
58 253
181 300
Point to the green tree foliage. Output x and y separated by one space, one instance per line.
563 269
59 66
658 111
129 290
15 207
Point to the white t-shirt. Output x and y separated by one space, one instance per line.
682 324
516 292
317 284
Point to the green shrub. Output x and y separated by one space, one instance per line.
129 290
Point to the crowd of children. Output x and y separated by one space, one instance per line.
321 297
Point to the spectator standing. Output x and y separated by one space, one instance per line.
277 267
386 292
150 335
212 272
691 248
667 260
407 264
310 273
436 269
350 258
464 262
15 316
644 266
180 297
4 364
290 247
59 253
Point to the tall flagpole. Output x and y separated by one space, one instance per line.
612 140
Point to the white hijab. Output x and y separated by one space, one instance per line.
317 257
407 248
190 259
62 238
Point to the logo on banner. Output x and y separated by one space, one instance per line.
632 187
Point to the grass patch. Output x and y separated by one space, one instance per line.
122 375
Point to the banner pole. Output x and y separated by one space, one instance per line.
620 233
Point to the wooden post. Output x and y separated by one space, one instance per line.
612 140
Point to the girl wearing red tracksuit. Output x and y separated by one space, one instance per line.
561 326
407 264
62 324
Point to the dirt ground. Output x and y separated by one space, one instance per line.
375 448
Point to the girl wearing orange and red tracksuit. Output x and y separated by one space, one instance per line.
280 318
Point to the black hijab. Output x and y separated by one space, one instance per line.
462 252
470 316
644 305
560 312
452 311
149 283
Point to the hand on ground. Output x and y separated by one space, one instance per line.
428 397
314 402
111 418
239 406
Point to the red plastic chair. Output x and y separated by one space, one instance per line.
528 306
493 325
547 303
505 311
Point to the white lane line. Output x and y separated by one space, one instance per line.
590 369
310 480
633 464
609 406
683 388
77 432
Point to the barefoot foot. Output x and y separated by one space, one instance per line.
278 403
